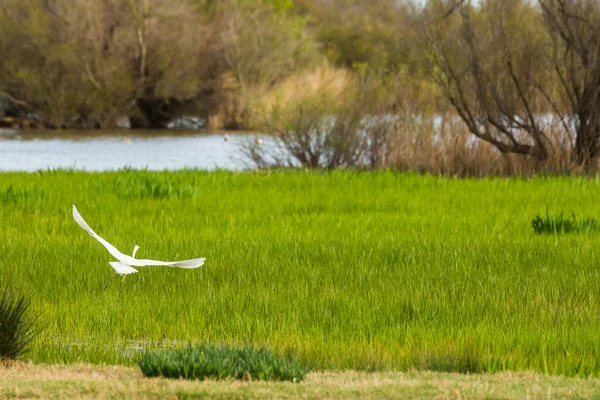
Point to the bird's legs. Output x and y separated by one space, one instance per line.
122 282
135 249
109 281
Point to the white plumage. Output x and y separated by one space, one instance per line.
126 263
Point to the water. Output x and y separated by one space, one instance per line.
110 150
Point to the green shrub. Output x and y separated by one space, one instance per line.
221 361
561 223
17 327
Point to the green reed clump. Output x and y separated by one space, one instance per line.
219 362
561 223
148 185
20 196
17 325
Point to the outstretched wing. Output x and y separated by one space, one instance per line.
193 263
111 249
125 259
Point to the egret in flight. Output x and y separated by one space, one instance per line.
124 265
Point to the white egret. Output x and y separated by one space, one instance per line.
126 263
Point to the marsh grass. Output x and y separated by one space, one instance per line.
339 270
561 223
17 325
206 361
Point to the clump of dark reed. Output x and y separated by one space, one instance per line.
219 362
561 223
150 185
18 327
465 359
17 196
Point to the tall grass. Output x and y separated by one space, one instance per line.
370 271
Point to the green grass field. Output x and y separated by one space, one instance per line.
343 270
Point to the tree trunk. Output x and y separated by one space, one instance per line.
587 142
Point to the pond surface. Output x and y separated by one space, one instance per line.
115 149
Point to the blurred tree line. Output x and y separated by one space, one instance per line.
521 75
85 64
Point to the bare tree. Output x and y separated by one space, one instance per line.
574 26
505 75
487 63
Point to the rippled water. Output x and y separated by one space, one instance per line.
110 150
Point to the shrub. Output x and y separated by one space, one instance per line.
220 361
17 327
561 223
319 131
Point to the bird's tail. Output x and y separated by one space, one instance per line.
122 269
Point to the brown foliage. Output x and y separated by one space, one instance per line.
319 131
85 64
